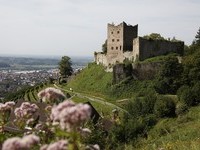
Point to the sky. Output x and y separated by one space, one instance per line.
78 27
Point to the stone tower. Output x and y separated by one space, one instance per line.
121 37
119 40
124 44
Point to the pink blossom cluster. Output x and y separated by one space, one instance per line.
7 106
60 145
25 110
17 143
70 114
51 95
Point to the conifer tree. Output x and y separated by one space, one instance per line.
197 37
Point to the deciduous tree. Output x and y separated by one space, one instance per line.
65 66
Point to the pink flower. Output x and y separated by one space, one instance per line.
70 115
10 104
7 106
60 145
17 143
30 140
56 110
25 110
51 95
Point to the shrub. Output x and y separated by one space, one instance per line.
181 108
141 106
164 107
195 91
186 95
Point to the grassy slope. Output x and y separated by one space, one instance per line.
171 133
180 133
103 109
157 58
93 80
32 94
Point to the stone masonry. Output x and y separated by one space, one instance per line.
124 43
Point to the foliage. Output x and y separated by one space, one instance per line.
189 94
69 116
181 108
154 36
94 80
174 39
197 38
136 123
180 133
191 64
141 106
18 94
169 77
65 66
104 47
164 107
161 58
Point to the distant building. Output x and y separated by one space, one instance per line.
124 43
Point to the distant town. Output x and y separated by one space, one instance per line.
22 72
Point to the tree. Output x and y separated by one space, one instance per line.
169 76
65 66
104 47
154 36
197 37
164 107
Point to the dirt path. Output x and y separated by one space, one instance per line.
92 98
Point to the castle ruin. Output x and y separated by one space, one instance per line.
123 43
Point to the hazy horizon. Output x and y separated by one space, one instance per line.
43 56
78 28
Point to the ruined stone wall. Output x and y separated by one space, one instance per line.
121 72
130 32
101 58
128 55
146 71
151 48
136 50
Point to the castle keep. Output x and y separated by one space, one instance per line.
123 43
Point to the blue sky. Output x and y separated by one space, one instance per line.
78 27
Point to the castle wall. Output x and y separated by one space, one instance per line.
123 43
130 32
146 71
151 48
101 58
136 50
128 55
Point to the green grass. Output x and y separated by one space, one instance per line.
180 133
93 80
157 58
31 94
103 109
